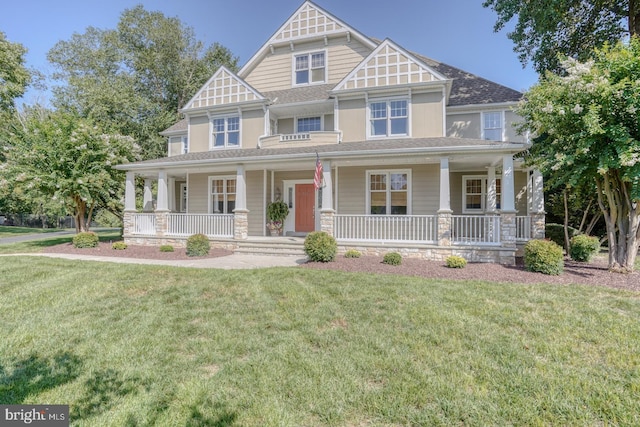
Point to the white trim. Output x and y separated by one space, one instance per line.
239 83
309 54
483 193
209 192
502 124
388 101
290 221
388 172
310 116
226 117
184 148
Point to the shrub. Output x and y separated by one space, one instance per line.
104 218
87 239
392 258
198 245
166 248
555 233
584 247
320 247
119 246
543 256
352 253
455 261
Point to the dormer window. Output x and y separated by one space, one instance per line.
309 68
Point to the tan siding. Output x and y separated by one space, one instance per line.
285 126
512 118
174 146
521 192
426 115
199 134
426 189
198 187
252 127
329 122
457 191
464 125
352 120
352 190
255 191
455 187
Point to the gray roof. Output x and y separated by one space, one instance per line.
181 126
363 148
299 94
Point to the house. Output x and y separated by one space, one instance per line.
417 156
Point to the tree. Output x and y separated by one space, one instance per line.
14 76
133 79
65 158
572 28
590 131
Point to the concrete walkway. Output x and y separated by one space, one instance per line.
35 236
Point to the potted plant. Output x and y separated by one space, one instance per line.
276 214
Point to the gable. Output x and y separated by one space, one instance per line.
222 89
389 65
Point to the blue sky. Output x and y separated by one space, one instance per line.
457 32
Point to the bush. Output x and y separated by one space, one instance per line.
583 247
119 246
543 256
198 245
392 258
166 248
320 247
352 253
105 218
455 261
87 239
555 233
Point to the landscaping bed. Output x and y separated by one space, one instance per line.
132 251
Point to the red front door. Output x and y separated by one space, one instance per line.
305 196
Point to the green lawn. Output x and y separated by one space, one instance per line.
145 345
40 244
6 231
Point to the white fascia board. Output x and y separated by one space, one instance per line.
474 108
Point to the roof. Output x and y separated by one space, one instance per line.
178 128
299 94
363 148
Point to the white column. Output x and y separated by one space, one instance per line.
147 197
445 191
327 190
537 190
508 185
491 190
172 194
163 199
241 188
130 192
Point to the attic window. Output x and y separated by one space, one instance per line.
309 68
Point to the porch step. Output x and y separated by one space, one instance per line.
276 247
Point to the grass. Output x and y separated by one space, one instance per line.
38 245
11 231
148 345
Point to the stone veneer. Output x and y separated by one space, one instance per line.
240 224
327 219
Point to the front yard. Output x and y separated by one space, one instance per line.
148 345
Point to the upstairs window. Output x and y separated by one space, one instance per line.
492 126
225 132
389 118
309 68
185 145
309 124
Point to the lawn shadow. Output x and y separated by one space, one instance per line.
223 417
101 390
35 374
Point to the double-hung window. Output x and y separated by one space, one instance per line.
310 68
388 192
389 118
492 126
225 132
309 124
474 195
185 145
222 195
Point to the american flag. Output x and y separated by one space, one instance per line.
317 179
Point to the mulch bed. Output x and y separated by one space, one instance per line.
594 273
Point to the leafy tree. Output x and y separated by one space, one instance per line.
572 28
588 120
133 79
64 158
14 76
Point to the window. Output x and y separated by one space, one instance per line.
183 197
185 145
309 124
388 118
388 192
309 68
475 189
492 126
222 195
225 132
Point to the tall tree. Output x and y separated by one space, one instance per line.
573 28
65 158
133 79
14 76
588 121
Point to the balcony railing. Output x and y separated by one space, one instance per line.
143 224
304 138
393 228
475 229
211 225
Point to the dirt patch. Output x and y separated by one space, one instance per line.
133 251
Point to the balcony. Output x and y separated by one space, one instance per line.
300 139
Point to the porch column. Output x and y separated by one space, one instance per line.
172 194
129 203
508 186
444 213
162 207
491 191
241 213
537 213
147 197
508 211
327 213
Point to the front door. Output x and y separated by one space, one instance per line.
305 196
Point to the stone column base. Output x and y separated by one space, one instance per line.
327 221
240 224
445 222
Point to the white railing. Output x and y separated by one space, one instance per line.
475 229
399 228
143 224
211 225
523 228
295 137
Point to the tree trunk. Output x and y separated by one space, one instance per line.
634 17
80 215
567 241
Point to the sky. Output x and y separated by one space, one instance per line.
457 32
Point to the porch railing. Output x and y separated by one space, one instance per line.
143 224
475 229
211 225
523 228
399 228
